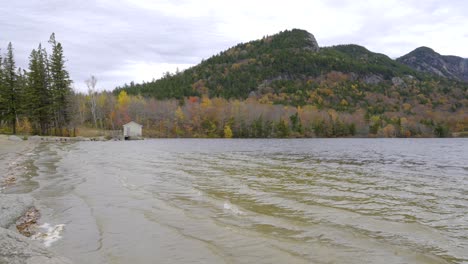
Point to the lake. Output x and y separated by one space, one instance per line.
255 201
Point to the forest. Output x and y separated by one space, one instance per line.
36 100
277 87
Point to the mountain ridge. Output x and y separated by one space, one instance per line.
292 63
427 60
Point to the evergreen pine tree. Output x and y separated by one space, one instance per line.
2 93
21 83
37 92
10 98
59 85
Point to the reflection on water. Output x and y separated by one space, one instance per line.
258 201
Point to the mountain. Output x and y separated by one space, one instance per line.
427 60
290 68
288 56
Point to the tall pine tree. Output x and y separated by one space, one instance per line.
2 95
38 96
59 85
9 93
21 84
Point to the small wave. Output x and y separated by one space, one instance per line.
124 183
50 234
232 208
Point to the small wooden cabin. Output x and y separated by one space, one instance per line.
132 130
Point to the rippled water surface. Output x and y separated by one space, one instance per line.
257 201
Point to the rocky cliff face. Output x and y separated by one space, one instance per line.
296 38
313 44
427 60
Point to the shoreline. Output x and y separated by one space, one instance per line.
16 248
12 155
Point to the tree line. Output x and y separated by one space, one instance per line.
40 97
205 117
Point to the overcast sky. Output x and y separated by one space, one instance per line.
123 40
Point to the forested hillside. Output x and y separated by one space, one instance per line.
285 62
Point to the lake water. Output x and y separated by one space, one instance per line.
256 201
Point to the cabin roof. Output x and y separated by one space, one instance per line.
132 123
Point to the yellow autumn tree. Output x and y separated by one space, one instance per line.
179 115
23 126
227 131
179 124
123 99
344 102
206 102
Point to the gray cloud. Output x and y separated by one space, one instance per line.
99 39
120 41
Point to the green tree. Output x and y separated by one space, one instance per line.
282 129
257 128
37 92
441 130
21 83
9 91
2 91
296 123
59 85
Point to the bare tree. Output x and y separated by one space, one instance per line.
91 83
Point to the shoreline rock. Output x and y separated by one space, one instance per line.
18 249
65 139
27 224
13 154
12 207
19 210
14 138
